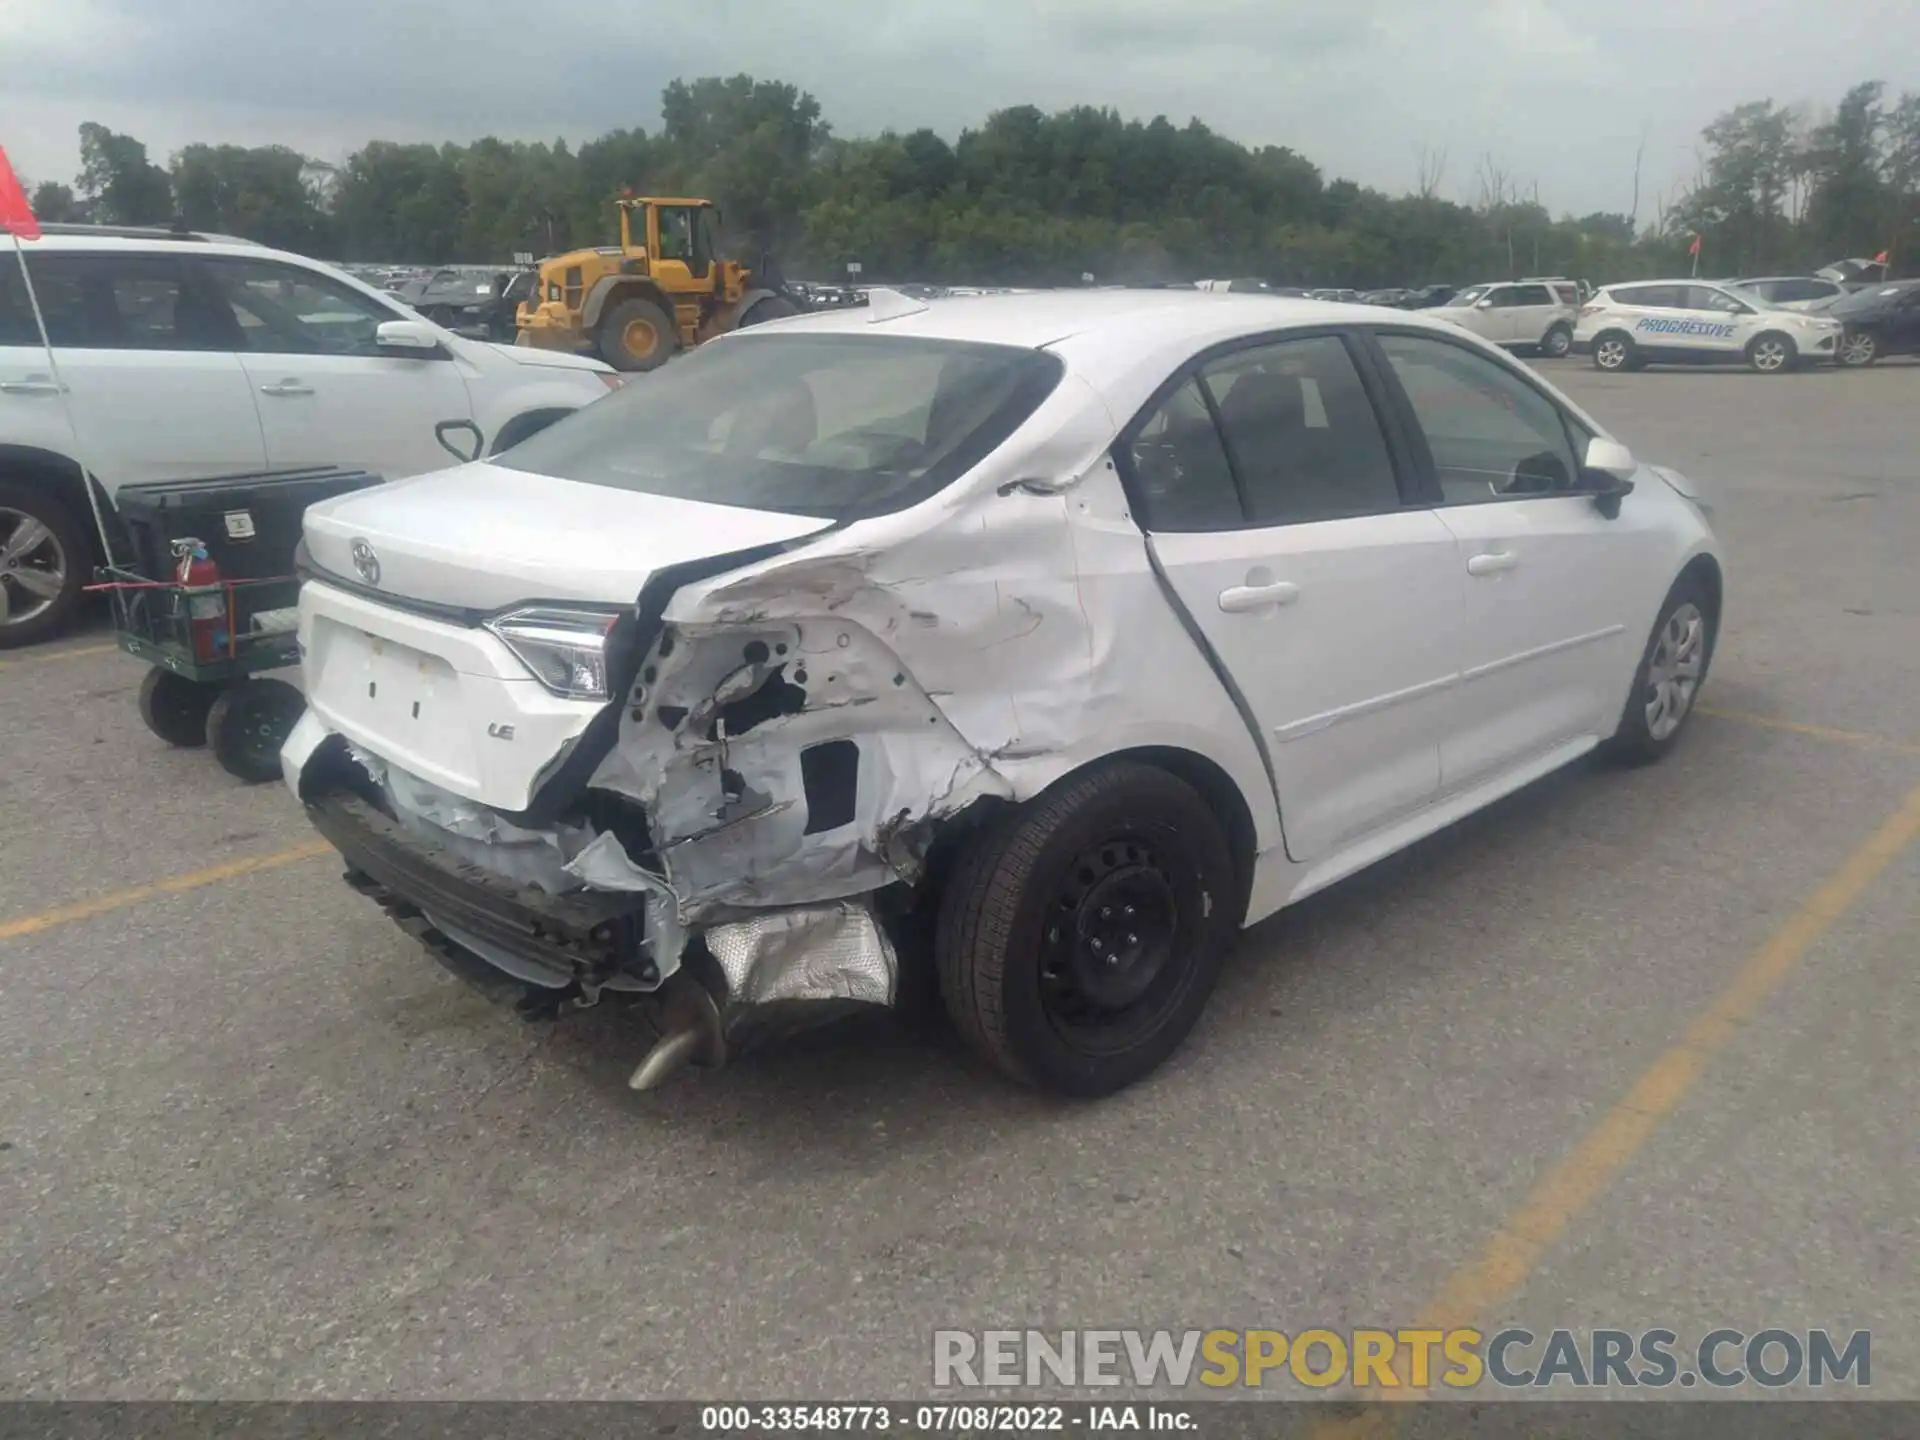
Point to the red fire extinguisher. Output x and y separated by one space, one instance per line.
206 600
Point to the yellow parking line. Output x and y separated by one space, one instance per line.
1817 732
1572 1185
49 656
120 899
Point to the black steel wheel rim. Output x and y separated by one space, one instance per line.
1115 949
260 725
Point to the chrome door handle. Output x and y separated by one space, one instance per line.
1492 563
1238 599
287 387
35 386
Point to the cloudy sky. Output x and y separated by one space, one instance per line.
1556 92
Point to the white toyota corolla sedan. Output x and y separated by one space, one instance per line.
1025 647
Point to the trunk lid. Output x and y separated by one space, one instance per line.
482 537
427 689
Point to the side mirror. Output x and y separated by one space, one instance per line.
1486 304
1606 474
406 337
476 439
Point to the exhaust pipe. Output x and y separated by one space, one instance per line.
690 1034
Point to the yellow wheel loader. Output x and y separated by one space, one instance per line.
665 288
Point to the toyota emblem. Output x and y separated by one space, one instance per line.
366 562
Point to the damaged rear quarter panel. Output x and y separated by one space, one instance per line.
978 644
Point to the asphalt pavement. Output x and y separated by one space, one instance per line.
1630 1050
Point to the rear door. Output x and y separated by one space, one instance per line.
326 394
1532 310
154 387
1718 322
1553 589
1274 506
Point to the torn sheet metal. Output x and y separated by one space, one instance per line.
605 865
713 747
477 833
819 953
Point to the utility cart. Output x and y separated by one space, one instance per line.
208 599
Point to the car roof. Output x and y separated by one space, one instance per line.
161 242
1046 318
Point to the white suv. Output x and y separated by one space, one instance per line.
1626 327
185 356
1531 314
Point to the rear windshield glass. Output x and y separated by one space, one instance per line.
833 426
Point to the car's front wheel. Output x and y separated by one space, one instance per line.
1858 349
1080 936
1772 354
1667 683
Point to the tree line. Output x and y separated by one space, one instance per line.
1031 198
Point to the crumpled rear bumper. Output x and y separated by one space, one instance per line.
748 977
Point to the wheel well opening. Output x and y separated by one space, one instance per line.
1705 571
635 290
62 479
1223 797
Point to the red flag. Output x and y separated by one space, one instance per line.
1694 248
16 214
1881 258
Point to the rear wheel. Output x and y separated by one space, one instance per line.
1557 342
1772 353
249 723
43 564
1614 352
637 335
1858 349
176 708
1080 936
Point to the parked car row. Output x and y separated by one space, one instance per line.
178 356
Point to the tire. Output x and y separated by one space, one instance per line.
773 307
249 723
1772 353
620 331
1640 739
1033 903
1858 349
44 559
1615 352
1557 342
176 708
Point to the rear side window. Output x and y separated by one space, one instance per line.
1492 435
833 426
1705 297
1181 478
1303 435
114 301
1651 297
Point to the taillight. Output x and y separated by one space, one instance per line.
1586 310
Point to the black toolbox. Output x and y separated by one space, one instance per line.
250 524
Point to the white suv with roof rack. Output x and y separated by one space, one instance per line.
179 355
1524 314
1627 327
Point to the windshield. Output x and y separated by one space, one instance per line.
833 426
1468 295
